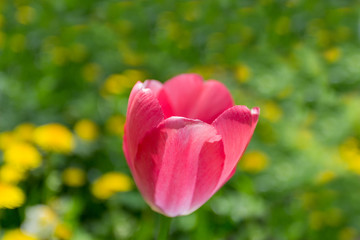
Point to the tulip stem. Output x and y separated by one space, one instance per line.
164 227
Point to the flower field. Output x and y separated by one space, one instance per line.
66 72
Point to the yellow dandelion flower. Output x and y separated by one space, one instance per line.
272 111
86 130
304 138
17 42
347 233
22 155
130 57
59 55
206 71
286 92
254 162
24 131
11 174
323 37
332 55
11 196
25 14
117 84
78 52
191 11
124 26
7 139
325 177
63 232
173 29
91 72
134 75
54 137
74 177
308 200
316 220
354 164
242 73
334 217
115 125
17 234
349 149
109 184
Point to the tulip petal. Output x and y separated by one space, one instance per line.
255 112
144 114
187 95
236 126
213 100
154 85
178 165
211 164
180 93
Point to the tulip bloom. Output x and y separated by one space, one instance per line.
183 140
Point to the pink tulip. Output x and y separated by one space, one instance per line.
183 140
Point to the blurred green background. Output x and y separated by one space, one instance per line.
67 68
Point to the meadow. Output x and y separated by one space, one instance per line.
66 71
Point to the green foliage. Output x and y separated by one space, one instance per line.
298 60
